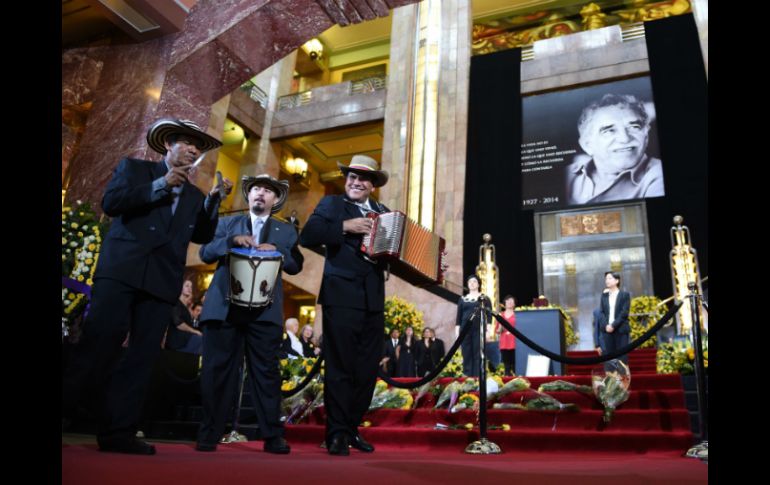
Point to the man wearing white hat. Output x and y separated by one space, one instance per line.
230 330
155 212
353 298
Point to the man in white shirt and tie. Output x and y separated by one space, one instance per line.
231 330
615 306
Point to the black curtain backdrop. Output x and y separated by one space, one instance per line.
493 170
493 175
680 90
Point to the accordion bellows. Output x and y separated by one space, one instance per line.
413 250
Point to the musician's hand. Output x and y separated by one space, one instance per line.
609 328
266 247
359 225
244 241
599 350
177 176
227 184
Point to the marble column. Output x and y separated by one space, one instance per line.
700 10
456 22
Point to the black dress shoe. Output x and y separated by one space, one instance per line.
339 445
206 447
360 443
132 446
277 445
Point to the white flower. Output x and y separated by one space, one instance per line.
67 302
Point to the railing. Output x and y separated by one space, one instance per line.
255 93
362 86
368 85
295 100
632 31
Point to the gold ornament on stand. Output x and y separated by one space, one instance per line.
490 283
684 270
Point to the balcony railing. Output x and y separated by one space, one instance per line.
333 91
255 93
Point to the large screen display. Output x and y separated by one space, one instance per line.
590 145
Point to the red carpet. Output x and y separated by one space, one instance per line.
653 419
639 361
245 463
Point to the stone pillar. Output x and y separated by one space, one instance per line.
456 23
700 10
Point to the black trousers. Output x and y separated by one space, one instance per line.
610 342
470 349
509 361
116 309
352 341
224 346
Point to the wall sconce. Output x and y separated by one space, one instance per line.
570 267
616 263
314 49
297 168
306 314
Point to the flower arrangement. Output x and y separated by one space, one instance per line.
611 387
570 337
644 313
294 370
466 401
454 368
81 238
391 398
679 356
400 314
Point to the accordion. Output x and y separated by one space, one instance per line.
413 250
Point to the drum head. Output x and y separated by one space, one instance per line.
251 253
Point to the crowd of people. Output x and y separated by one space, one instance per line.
157 211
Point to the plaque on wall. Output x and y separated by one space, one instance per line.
589 224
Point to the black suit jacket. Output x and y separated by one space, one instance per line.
622 308
146 247
389 350
349 280
280 234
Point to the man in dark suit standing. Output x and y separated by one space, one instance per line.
388 362
615 306
230 329
353 299
156 212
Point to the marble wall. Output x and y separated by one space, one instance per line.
184 74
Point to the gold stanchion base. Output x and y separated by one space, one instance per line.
700 451
233 437
483 447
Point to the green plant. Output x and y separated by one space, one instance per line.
644 313
400 314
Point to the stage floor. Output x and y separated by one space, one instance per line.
178 462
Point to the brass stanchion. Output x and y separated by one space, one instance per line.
482 446
684 269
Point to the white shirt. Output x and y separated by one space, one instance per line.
296 345
613 296
365 206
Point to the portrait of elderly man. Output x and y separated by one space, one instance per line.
614 133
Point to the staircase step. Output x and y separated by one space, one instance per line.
520 440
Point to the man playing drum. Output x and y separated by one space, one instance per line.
231 328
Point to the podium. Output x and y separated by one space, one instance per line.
545 328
